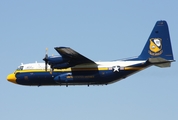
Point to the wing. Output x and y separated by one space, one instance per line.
74 57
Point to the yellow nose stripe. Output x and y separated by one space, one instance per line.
11 78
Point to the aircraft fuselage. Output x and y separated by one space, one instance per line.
103 74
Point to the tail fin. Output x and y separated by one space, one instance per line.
158 47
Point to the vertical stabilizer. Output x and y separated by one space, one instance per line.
158 44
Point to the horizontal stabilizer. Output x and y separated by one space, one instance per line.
160 62
162 65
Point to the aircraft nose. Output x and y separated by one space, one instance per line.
11 78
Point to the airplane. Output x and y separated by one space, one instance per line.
72 68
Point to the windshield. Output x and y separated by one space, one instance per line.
20 68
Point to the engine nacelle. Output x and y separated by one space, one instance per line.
56 60
61 66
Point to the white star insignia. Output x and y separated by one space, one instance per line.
116 69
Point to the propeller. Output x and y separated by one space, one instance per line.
46 59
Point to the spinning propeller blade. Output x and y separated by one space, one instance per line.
46 59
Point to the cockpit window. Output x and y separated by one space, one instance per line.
20 68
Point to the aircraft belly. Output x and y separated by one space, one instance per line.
72 78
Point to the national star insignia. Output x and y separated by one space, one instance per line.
116 69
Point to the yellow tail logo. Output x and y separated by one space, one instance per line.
155 46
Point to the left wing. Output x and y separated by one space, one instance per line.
74 57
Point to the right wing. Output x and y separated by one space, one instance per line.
74 57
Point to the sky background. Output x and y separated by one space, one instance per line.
101 30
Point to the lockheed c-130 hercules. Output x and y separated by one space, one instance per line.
72 68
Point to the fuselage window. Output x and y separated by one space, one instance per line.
20 68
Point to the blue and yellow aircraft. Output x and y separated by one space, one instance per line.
72 68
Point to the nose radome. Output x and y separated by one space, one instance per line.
11 78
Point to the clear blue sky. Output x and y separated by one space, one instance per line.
101 30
